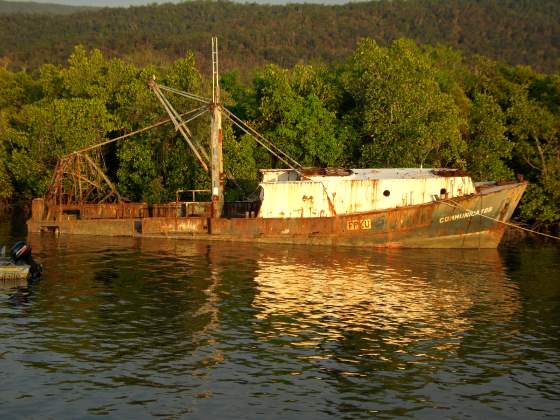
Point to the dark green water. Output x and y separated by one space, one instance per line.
139 328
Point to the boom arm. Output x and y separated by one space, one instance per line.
181 125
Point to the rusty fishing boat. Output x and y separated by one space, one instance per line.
398 207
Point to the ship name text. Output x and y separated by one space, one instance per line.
465 215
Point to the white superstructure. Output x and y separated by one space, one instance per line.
288 194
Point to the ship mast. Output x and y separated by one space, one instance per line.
216 158
69 174
213 162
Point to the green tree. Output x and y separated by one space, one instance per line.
536 134
6 188
488 147
45 131
137 169
398 108
291 113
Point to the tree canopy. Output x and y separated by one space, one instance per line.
400 105
252 35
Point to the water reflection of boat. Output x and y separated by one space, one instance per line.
391 295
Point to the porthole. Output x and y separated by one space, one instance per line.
386 193
443 191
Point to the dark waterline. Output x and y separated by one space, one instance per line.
140 328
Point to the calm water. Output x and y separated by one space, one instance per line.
141 328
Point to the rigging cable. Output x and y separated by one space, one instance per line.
125 136
185 94
180 126
455 205
271 147
261 143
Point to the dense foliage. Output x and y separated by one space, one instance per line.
513 31
401 106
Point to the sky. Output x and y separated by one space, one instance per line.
99 3
125 3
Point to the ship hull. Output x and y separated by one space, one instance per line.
474 221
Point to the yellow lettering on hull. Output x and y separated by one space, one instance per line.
465 215
363 224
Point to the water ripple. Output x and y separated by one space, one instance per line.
136 328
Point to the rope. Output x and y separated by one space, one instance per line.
185 94
268 145
284 157
95 146
271 147
513 225
259 141
125 136
180 126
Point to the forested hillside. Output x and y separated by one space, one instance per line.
30 7
397 106
514 31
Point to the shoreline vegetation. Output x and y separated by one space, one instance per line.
403 104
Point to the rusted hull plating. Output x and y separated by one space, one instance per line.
460 223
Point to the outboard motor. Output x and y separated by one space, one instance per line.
21 255
21 252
